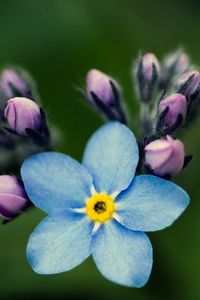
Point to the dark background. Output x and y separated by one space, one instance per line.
58 42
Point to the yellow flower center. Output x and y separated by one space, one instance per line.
100 207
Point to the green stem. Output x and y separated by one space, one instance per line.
145 120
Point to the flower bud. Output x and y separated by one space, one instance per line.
22 113
146 75
13 84
178 60
175 107
99 83
188 83
174 64
13 198
104 94
148 60
165 157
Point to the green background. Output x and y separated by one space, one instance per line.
58 42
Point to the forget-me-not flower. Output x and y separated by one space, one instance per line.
99 208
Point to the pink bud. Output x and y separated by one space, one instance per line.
177 105
146 73
99 83
174 64
148 60
11 79
191 80
177 60
183 63
22 113
13 198
165 156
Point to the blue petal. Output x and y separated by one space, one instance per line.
151 203
111 156
55 182
59 243
121 255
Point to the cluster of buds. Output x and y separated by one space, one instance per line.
21 115
161 116
164 156
23 132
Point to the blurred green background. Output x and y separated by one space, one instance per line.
58 42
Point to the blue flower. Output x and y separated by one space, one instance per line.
99 208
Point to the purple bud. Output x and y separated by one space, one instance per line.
22 113
148 60
103 93
178 60
12 83
183 63
174 64
99 83
188 83
13 198
146 75
165 156
176 105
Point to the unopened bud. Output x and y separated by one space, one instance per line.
14 83
146 76
172 112
99 83
104 94
188 83
174 64
13 198
165 156
22 113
